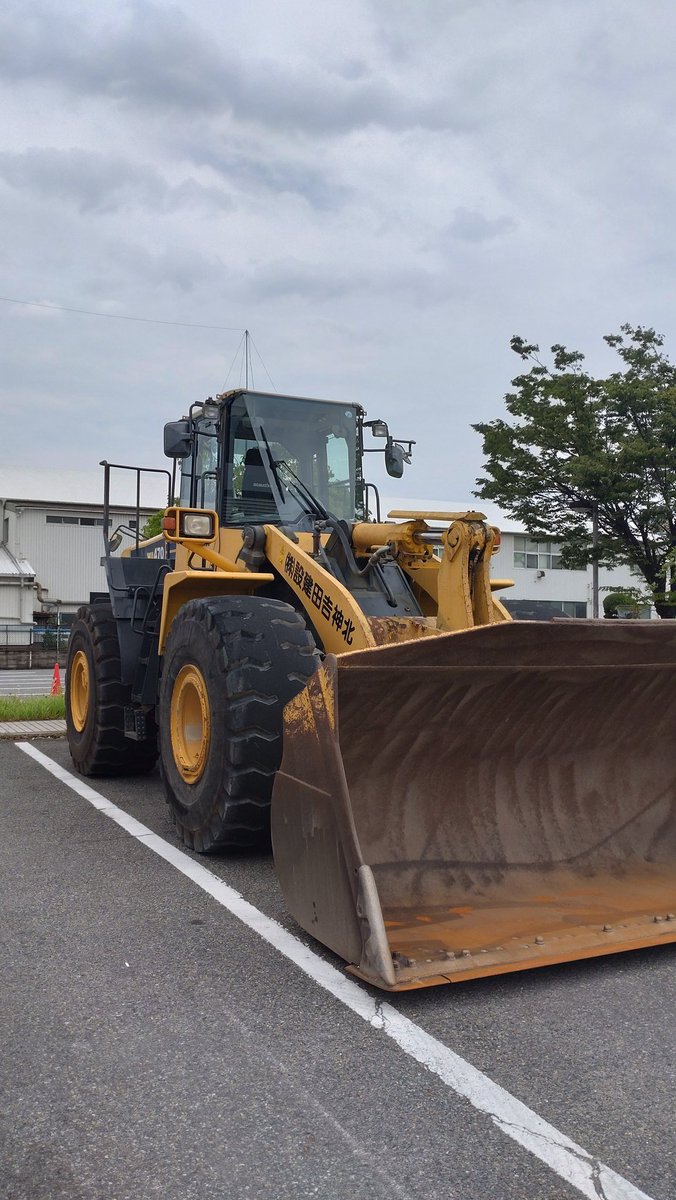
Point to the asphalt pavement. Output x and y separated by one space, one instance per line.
155 1046
26 683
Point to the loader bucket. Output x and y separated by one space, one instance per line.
484 801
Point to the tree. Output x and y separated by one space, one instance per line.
608 444
629 599
153 525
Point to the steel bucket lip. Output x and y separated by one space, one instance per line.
476 966
559 916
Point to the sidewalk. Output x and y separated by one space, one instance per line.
18 730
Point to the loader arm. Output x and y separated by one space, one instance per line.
333 611
459 585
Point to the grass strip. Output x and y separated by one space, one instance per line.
32 708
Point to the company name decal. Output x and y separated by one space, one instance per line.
319 597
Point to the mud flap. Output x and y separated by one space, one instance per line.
484 801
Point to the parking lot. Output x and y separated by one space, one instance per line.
170 1032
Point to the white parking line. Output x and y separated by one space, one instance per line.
571 1162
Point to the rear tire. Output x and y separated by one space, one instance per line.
95 700
230 666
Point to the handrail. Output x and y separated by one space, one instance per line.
107 467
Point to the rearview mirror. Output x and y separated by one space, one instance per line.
394 459
177 440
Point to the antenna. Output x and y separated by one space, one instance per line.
244 357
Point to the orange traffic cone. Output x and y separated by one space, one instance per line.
56 681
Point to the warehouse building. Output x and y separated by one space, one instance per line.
52 541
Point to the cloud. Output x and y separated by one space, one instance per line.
102 183
409 284
95 183
468 225
383 192
165 267
159 59
268 170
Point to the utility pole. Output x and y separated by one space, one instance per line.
595 561
592 506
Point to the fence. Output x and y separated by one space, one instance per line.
23 646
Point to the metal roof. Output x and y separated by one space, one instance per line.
284 396
17 568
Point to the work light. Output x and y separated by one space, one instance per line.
196 525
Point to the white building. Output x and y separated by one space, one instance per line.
51 538
17 588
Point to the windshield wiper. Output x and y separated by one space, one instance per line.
309 503
301 489
273 464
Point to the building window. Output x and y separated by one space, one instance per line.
56 519
542 556
574 608
544 610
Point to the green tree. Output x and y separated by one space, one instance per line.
629 598
153 525
604 443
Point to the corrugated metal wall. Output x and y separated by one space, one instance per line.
65 557
15 602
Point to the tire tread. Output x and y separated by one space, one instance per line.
267 655
108 752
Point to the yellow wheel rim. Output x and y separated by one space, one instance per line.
190 723
79 690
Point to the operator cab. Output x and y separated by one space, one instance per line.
268 459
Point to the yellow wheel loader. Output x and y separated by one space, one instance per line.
449 793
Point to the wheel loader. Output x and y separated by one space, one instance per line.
449 793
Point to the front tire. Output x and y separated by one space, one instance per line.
96 697
230 666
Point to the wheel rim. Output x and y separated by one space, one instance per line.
190 723
79 690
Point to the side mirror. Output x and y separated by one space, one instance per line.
395 458
177 440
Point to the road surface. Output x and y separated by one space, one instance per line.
154 1045
27 683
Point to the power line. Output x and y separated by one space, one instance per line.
86 312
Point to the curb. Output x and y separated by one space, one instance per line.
14 731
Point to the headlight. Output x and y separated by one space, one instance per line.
197 525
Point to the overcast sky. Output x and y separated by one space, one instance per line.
382 192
